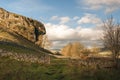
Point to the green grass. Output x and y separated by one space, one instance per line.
59 69
14 70
15 48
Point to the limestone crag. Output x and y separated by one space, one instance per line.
30 29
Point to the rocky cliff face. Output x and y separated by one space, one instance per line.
30 29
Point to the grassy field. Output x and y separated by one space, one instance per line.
59 69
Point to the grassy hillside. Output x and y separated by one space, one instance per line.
59 69
17 47
13 40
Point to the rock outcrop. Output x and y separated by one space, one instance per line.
30 29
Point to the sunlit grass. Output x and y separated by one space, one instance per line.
14 48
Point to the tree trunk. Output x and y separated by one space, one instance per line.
115 59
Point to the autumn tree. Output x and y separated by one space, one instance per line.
66 51
111 38
75 49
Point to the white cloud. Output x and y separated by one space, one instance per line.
86 19
54 18
109 10
62 34
102 4
90 34
75 18
89 18
64 20
61 20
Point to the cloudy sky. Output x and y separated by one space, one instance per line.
68 20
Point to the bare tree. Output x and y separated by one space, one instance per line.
46 42
112 38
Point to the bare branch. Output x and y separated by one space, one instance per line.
112 38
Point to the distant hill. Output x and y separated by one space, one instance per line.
21 35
